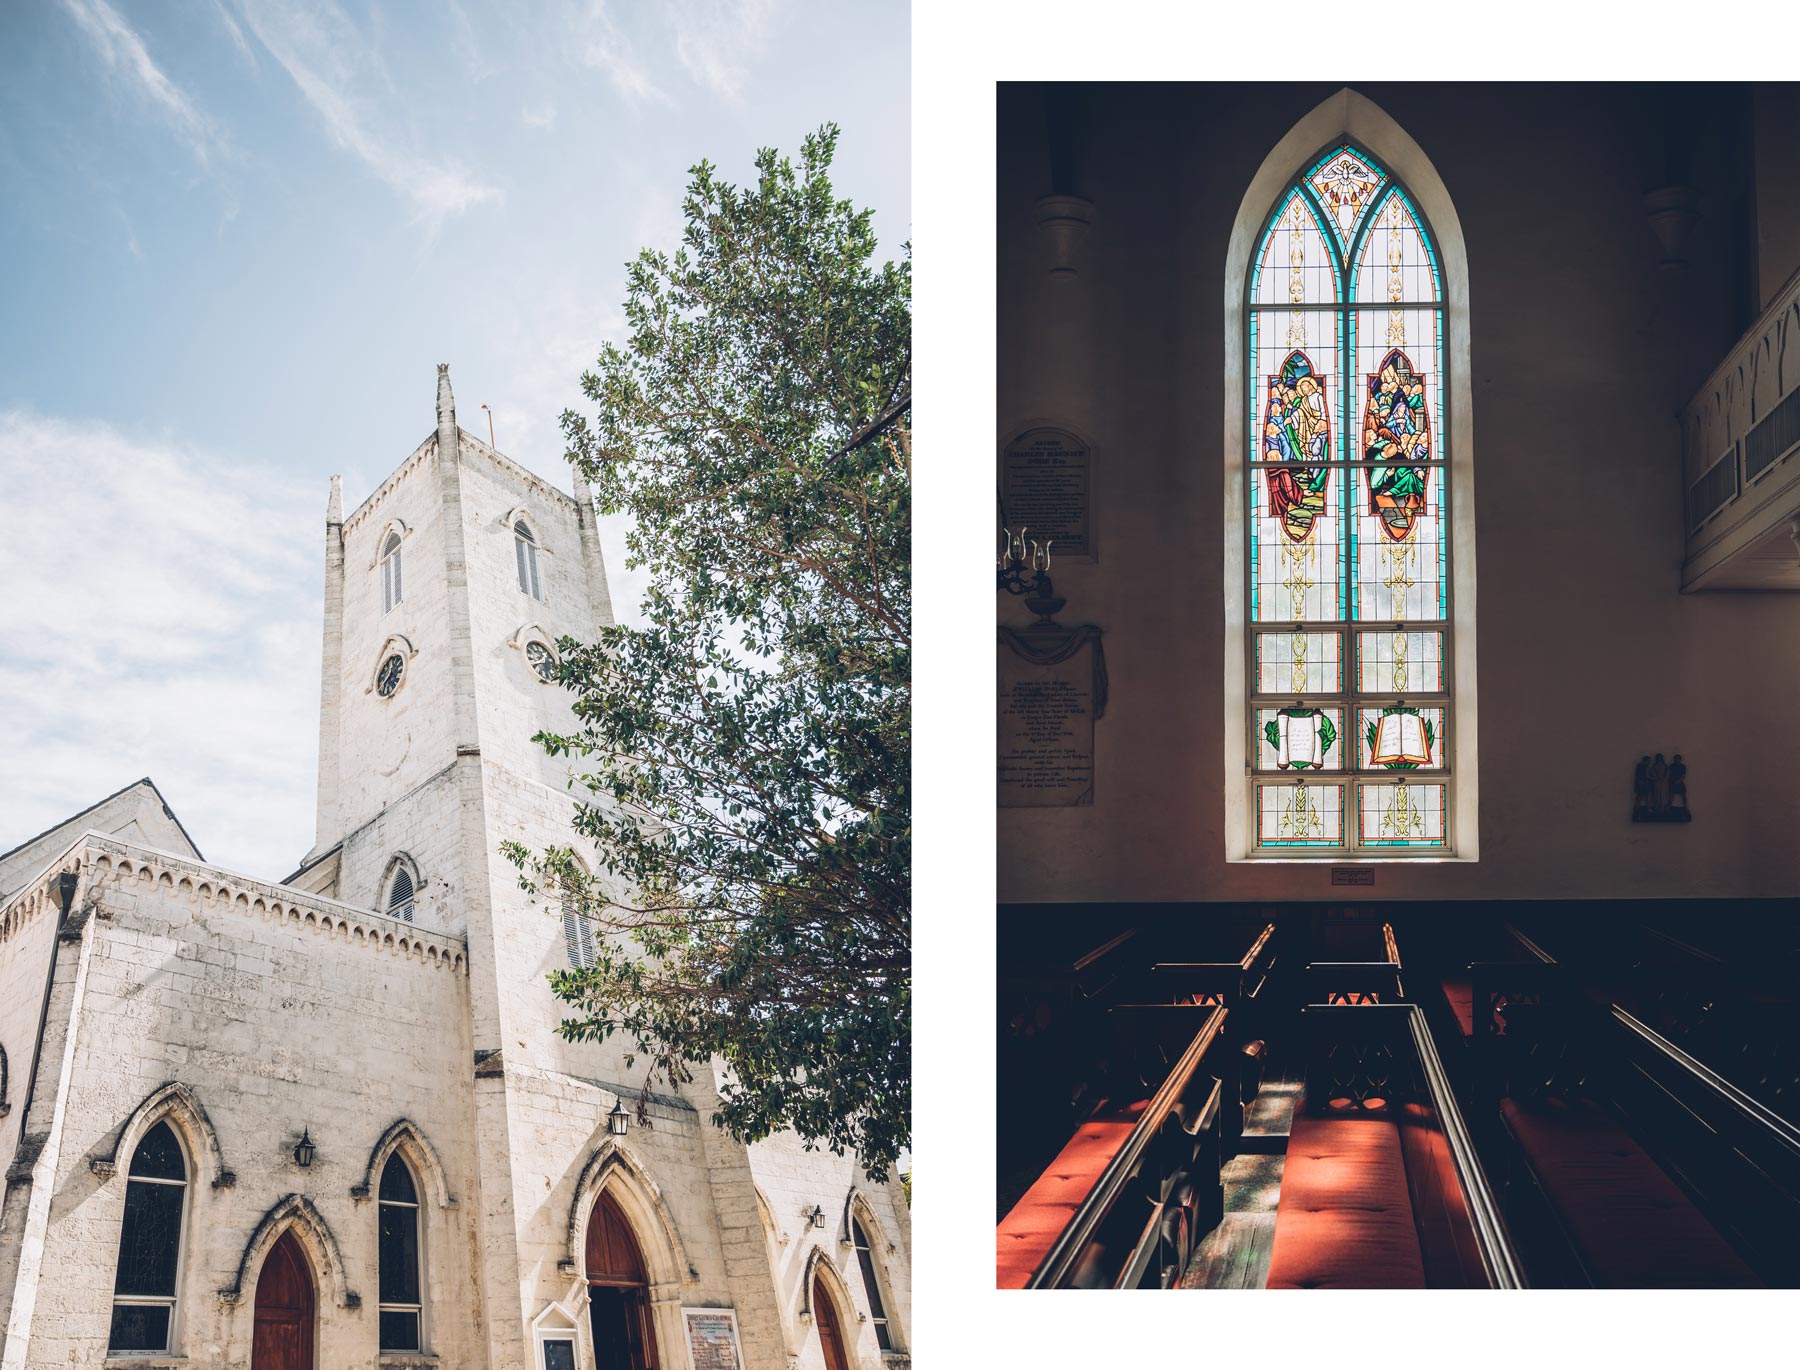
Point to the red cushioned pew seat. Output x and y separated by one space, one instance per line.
1026 1234
1344 1220
1631 1225
1461 994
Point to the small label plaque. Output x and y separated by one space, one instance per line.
1353 875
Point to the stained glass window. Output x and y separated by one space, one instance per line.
1347 508
149 1244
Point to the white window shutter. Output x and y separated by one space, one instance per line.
519 551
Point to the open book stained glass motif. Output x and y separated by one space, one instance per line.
1347 530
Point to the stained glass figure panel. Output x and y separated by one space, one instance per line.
1418 336
1299 739
1401 814
1394 262
1404 578
1400 737
1296 581
1346 184
1297 378
1300 814
1400 663
1293 263
1289 663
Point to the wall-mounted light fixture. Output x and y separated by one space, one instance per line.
816 1218
304 1150
618 1122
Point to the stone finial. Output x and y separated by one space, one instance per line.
334 507
446 402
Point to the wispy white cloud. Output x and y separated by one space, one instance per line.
167 624
600 44
122 50
718 41
543 117
321 50
236 32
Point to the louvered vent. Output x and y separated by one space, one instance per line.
1773 437
400 897
1713 491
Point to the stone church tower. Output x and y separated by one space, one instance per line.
379 1025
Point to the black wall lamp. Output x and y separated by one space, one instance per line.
305 1150
618 1122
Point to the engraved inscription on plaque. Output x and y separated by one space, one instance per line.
1046 487
1047 710
712 1338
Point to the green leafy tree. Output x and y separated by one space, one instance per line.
746 752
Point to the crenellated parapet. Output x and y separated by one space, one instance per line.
113 863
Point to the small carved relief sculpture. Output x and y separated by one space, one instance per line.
1659 791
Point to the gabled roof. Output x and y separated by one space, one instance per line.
102 803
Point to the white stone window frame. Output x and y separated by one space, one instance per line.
580 940
859 1212
420 1259
396 643
522 639
400 863
174 1302
527 552
1352 118
392 597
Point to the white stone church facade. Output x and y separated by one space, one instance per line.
171 1033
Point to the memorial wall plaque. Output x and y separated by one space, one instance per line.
1052 689
712 1338
1046 486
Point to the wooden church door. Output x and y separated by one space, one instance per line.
618 1293
831 1333
283 1337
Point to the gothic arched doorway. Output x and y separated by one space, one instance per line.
618 1292
283 1338
831 1331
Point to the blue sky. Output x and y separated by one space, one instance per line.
239 235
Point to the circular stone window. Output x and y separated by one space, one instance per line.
387 679
541 660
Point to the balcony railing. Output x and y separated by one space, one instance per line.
1740 439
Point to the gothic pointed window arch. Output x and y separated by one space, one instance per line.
578 929
401 1308
401 890
150 1245
871 1277
390 570
1350 616
525 551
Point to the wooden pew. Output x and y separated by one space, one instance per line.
1628 1163
1121 1206
1361 965
1382 1187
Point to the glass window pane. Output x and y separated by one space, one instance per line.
1395 262
1400 662
1401 815
397 1181
1299 663
1400 737
1400 544
1346 183
399 1254
159 1156
1293 264
1295 580
149 1239
399 1331
139 1327
1300 815
1309 739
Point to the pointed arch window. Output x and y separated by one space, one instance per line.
150 1245
1349 663
390 571
402 890
865 1257
525 548
401 1306
578 932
